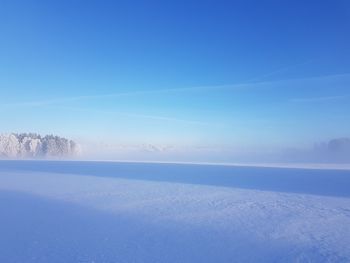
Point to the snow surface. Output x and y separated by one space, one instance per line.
125 212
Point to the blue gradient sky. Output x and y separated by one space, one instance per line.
241 74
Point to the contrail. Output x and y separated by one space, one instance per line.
136 115
112 95
250 83
259 78
319 99
142 92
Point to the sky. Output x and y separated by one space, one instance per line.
200 76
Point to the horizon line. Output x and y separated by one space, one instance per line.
306 166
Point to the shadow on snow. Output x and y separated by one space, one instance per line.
289 180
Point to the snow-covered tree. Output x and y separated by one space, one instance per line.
31 145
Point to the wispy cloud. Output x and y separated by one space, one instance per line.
318 99
280 70
73 99
248 84
137 115
113 95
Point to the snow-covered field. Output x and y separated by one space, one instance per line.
134 212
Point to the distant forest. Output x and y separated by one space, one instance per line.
32 145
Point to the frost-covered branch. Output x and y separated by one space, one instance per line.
31 145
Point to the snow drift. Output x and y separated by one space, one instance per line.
31 145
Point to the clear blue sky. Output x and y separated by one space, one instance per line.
204 73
